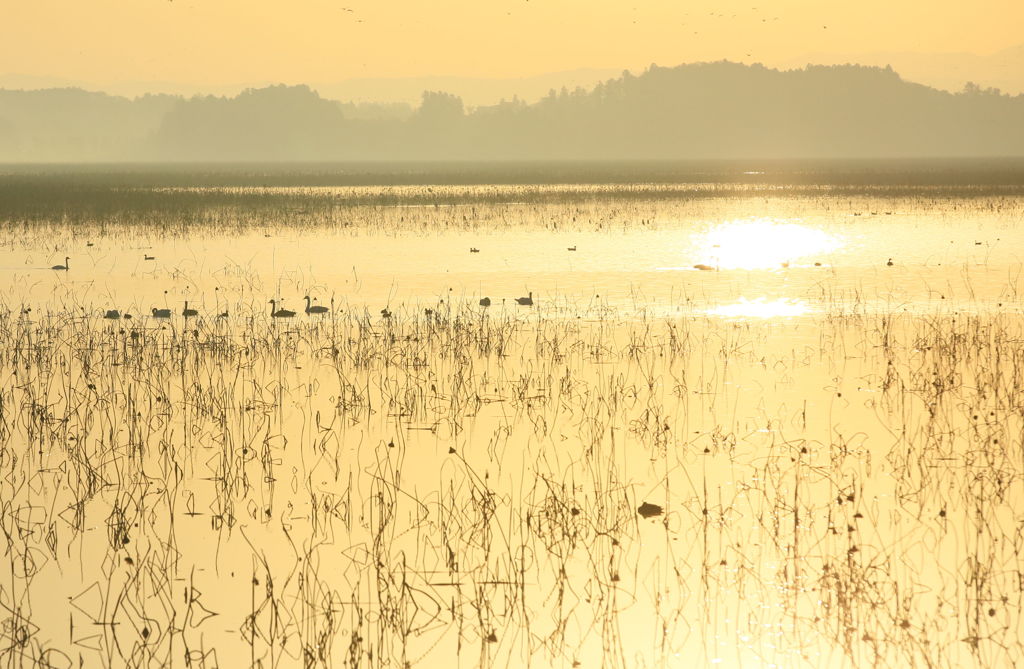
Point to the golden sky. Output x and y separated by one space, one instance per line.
229 41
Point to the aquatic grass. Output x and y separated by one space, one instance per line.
576 482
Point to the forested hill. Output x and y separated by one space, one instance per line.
696 111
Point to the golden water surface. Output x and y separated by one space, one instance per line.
807 454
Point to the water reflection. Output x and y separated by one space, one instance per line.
761 308
452 480
762 244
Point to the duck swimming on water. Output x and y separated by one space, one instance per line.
317 309
279 313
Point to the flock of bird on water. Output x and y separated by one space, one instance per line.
275 312
316 309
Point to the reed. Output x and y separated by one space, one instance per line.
577 483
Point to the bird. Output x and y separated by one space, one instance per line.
385 313
279 313
65 266
485 301
188 313
526 301
702 267
889 263
148 257
112 314
473 249
571 248
315 309
161 313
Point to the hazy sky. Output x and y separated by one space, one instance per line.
229 41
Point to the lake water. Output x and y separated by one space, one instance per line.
807 454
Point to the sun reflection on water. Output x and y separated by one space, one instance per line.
761 308
762 244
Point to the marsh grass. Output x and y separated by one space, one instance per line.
454 483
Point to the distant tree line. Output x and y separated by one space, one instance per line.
696 111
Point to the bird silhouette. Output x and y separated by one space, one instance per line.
704 268
112 314
65 266
526 301
161 313
485 301
279 313
188 313
314 309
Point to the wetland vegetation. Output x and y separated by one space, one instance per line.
806 457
